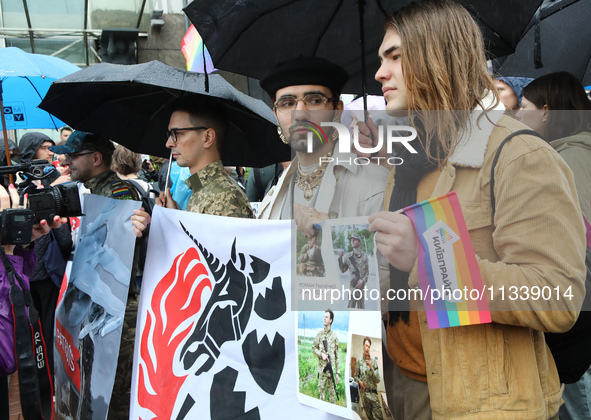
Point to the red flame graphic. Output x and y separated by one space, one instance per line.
176 298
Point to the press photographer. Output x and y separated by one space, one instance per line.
45 203
36 176
19 262
35 147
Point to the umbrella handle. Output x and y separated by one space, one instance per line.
168 173
361 6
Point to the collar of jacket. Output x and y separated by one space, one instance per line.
205 175
344 160
471 147
100 178
327 186
331 176
470 151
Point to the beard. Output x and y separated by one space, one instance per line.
298 141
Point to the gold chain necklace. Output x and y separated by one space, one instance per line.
309 182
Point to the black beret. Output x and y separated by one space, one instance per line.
305 70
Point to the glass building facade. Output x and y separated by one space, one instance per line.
69 29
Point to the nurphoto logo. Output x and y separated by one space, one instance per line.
389 134
317 130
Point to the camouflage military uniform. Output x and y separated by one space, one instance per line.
311 261
358 266
370 377
215 193
324 378
108 184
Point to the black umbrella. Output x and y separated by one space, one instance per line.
251 36
558 39
130 104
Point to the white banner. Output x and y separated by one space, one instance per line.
89 314
216 336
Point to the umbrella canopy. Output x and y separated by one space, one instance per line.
251 36
130 104
24 80
563 42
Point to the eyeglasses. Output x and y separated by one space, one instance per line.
71 156
174 132
312 102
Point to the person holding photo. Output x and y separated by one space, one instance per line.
432 58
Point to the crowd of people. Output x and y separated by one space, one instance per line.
531 228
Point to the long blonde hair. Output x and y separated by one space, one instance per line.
444 67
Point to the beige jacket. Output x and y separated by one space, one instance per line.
504 370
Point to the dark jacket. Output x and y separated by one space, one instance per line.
261 180
4 179
28 145
151 177
162 175
64 241
11 146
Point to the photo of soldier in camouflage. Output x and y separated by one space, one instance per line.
321 355
357 263
326 349
353 245
368 380
310 263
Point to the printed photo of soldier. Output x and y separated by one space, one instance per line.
354 251
322 349
368 392
309 257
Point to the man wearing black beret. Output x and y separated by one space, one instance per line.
320 183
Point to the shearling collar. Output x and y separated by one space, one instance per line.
472 145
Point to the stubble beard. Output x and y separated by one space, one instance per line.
299 141
74 176
80 175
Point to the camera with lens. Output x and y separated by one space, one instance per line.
44 203
29 170
62 200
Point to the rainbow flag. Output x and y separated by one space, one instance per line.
192 48
449 276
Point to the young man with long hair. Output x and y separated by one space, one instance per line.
434 68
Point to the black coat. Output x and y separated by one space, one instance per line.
64 240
